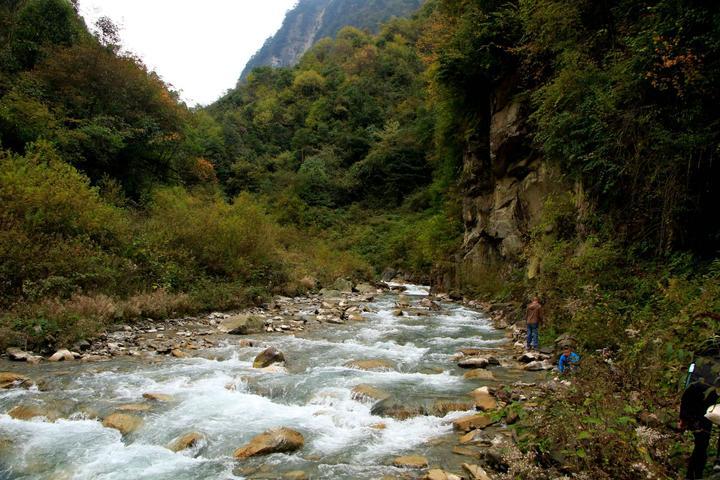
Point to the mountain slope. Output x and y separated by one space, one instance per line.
312 20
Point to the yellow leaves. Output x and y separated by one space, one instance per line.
675 66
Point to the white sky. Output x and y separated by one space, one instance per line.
199 47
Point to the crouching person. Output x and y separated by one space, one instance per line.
569 360
697 398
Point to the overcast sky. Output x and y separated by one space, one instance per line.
198 47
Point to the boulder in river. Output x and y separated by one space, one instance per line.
471 422
403 300
267 357
17 355
437 474
364 392
473 362
243 324
158 397
134 407
24 412
122 422
188 440
479 374
378 364
483 400
273 441
393 408
411 461
343 285
476 472
63 355
428 303
442 407
14 380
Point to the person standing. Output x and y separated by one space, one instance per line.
533 319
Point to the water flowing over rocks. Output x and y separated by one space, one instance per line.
364 386
411 461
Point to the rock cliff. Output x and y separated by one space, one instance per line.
312 20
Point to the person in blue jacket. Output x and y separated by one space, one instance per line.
569 360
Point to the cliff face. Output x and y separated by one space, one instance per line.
505 183
312 20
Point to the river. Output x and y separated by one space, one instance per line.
219 394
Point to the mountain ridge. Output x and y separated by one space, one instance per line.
312 20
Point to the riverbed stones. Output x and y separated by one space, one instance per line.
28 412
268 357
377 364
411 461
17 355
471 422
243 325
189 440
479 374
365 289
134 407
343 285
538 365
483 399
437 474
14 380
63 355
476 472
365 392
277 440
476 437
473 362
391 407
442 407
122 422
158 397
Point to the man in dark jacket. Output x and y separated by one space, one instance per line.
533 318
700 394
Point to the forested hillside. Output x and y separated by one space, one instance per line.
499 149
312 20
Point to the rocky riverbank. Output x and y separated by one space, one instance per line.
507 381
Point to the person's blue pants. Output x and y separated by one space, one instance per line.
532 336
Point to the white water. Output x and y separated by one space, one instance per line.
314 397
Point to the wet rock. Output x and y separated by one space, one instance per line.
366 392
275 368
398 312
122 422
473 362
483 400
14 380
476 472
328 293
273 441
427 303
267 357
476 437
378 426
158 397
93 358
24 412
370 364
177 353
243 325
295 475
403 300
134 407
356 317
479 374
247 343
393 408
437 474
17 355
411 461
442 407
189 440
63 355
471 422
466 451
538 366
